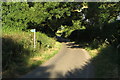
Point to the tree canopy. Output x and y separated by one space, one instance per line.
49 17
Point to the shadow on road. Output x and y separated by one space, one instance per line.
74 45
45 72
105 62
40 72
85 70
60 39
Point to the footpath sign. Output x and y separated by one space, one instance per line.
33 30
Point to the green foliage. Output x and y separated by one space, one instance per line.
99 26
17 49
46 42
102 18
111 33
102 55
39 15
14 14
66 30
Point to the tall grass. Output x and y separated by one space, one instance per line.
19 55
104 59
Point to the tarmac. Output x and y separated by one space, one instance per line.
70 62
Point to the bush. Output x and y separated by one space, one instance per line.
17 47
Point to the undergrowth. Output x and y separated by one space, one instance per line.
19 55
104 59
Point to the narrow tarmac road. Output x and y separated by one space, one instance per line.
71 62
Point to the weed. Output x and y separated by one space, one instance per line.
104 59
18 51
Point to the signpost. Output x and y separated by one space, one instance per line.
33 30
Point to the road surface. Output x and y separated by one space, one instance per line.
71 62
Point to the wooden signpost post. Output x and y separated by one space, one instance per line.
33 30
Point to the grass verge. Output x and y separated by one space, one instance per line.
19 56
105 61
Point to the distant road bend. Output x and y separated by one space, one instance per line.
71 62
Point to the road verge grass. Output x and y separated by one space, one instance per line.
105 60
18 54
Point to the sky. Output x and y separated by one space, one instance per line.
118 17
